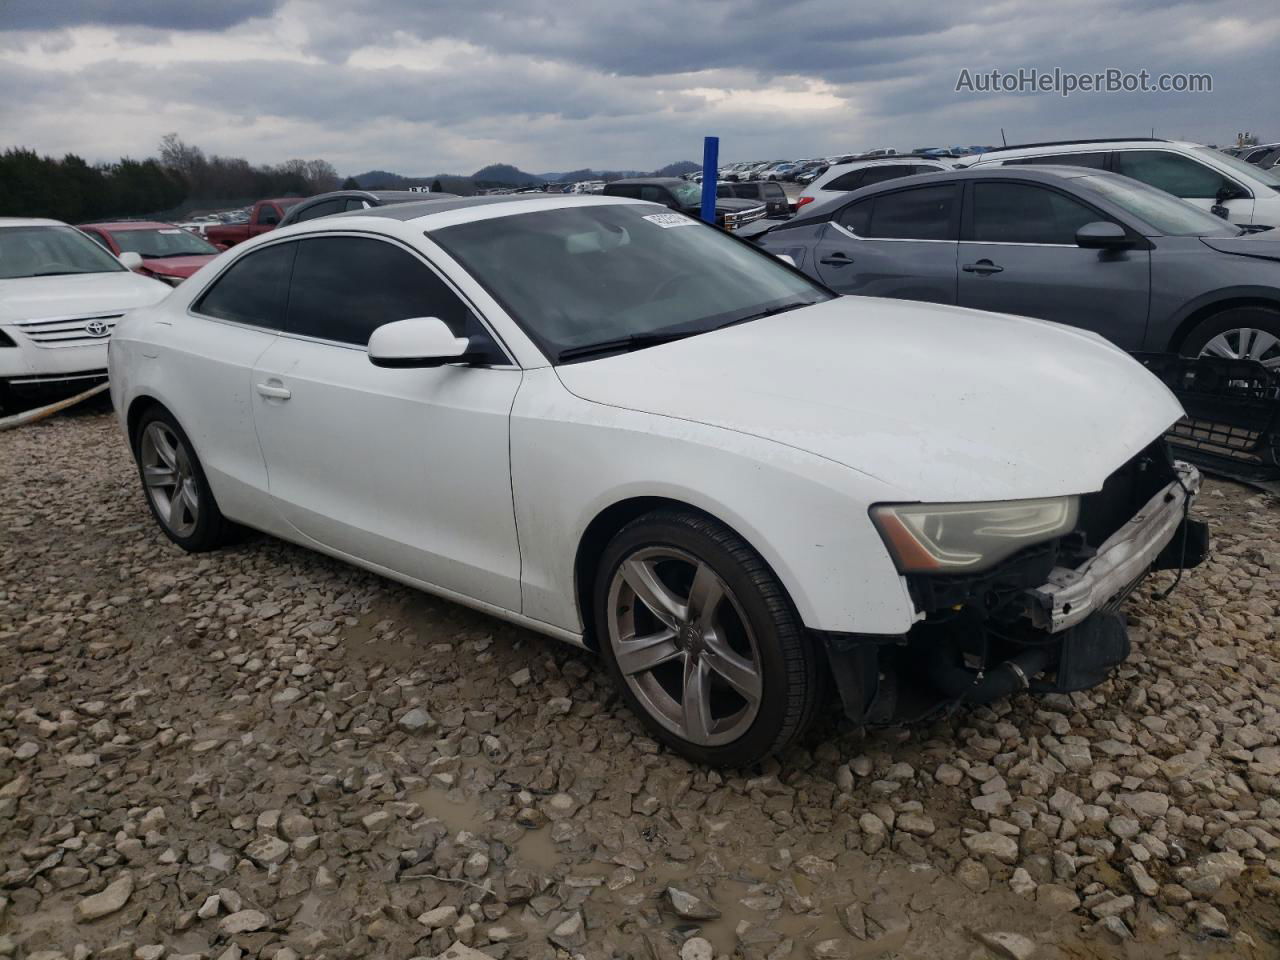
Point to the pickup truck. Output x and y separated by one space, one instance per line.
731 213
265 215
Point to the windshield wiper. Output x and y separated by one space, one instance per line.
770 312
55 273
635 341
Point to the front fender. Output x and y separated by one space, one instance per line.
572 459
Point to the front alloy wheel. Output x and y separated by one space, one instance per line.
702 639
683 646
1245 343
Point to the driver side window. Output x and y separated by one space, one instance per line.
343 288
268 215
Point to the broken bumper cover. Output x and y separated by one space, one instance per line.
1071 595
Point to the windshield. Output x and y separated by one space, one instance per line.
584 276
153 242
1241 168
687 194
1169 215
50 252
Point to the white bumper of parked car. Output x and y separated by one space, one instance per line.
1070 596
29 361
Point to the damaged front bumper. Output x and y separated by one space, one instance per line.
1046 620
1125 558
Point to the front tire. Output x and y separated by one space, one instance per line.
1240 333
175 485
703 641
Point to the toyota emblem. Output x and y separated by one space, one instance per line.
96 328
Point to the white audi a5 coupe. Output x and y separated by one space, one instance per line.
61 295
618 426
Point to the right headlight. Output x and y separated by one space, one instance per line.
969 537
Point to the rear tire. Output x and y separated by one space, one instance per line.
174 484
1238 333
703 641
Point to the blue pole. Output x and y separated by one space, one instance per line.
710 163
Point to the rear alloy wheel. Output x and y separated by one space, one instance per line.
703 641
177 491
1244 333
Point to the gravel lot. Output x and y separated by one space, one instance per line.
261 752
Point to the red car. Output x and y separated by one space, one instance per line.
168 253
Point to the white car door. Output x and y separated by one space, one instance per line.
406 469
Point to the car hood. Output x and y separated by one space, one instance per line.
177 266
30 298
1264 245
940 403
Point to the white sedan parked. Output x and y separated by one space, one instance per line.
626 429
60 297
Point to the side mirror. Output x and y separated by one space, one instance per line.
131 260
419 342
1103 235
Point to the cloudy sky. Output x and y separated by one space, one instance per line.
423 86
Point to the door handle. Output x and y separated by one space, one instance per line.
982 267
274 391
837 260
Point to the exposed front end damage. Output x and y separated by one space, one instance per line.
1045 620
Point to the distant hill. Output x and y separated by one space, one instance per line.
678 168
507 175
504 175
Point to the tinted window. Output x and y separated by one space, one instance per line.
773 191
268 215
846 181
322 209
923 213
924 169
1024 213
654 195
1097 161
891 171
623 190
351 203
581 276
253 289
345 287
856 217
724 190
1171 172
746 191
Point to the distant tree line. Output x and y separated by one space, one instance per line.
182 177
72 190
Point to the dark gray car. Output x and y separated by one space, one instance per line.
1081 247
349 201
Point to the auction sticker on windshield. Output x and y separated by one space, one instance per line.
665 220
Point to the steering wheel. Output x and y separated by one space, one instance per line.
670 285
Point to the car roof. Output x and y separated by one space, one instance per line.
30 222
1038 173
1070 146
484 207
383 196
129 225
